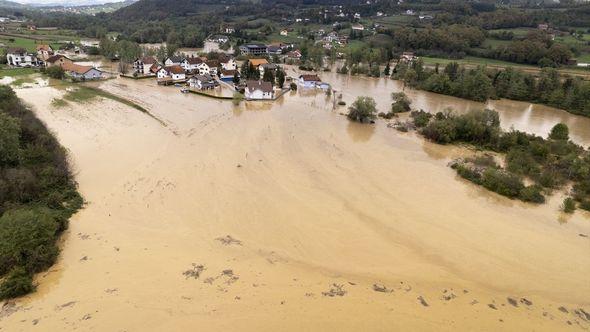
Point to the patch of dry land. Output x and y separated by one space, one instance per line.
284 216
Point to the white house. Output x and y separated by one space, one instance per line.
219 39
228 63
228 75
213 65
173 61
202 82
175 73
143 65
203 68
19 57
259 90
408 57
191 64
358 27
309 81
284 32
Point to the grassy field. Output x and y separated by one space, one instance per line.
28 44
394 21
14 72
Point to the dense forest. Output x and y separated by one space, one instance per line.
37 196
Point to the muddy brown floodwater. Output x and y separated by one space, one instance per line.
285 216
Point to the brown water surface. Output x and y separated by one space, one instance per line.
274 203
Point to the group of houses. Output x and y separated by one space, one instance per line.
200 72
47 57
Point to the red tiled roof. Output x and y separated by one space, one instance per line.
72 67
310 78
55 58
175 69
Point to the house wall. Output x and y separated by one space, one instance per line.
178 76
93 74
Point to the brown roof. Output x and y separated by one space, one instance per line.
154 68
43 47
17 50
212 63
259 85
78 69
257 62
194 60
148 60
57 57
175 69
310 78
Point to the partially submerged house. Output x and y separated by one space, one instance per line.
259 90
202 82
191 64
228 75
408 57
174 73
227 63
309 81
143 65
81 72
19 57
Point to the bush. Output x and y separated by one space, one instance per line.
421 118
569 205
17 283
440 131
502 182
56 72
293 86
341 103
363 109
532 194
559 132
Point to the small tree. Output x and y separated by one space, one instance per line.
401 103
236 78
363 109
269 76
123 67
560 132
280 78
56 72
387 70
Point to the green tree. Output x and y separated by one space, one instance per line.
280 78
560 132
363 109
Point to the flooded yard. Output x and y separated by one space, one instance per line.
286 216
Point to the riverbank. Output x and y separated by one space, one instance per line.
285 214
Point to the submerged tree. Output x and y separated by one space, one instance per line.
364 109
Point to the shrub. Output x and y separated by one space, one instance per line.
17 283
569 205
440 131
293 86
9 140
532 194
502 182
56 72
420 118
363 109
341 103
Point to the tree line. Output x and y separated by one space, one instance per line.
37 196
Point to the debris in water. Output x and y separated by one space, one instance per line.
526 301
87 317
195 272
229 240
493 306
381 288
422 301
563 309
335 290
512 301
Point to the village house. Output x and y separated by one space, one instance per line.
175 73
266 67
229 30
294 55
213 65
57 60
253 49
191 64
44 51
228 75
284 32
143 65
259 90
358 27
202 82
19 57
309 81
219 39
228 63
81 72
173 61
274 50
408 57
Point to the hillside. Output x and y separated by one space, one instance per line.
162 9
10 4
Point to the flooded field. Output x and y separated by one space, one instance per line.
286 216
